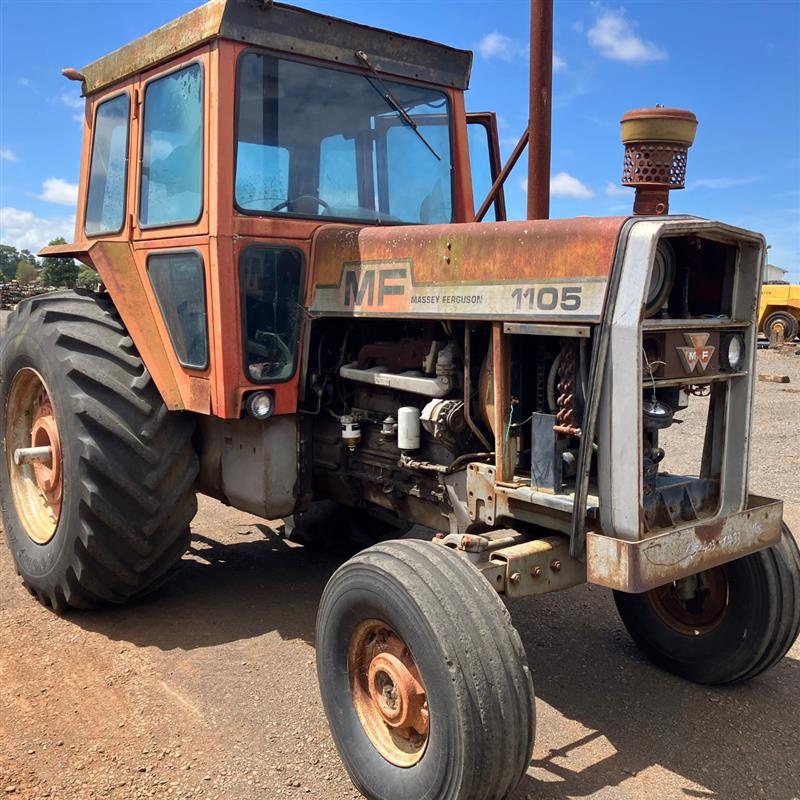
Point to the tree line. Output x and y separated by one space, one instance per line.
28 270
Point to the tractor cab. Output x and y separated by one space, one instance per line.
217 145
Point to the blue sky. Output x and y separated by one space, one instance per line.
735 64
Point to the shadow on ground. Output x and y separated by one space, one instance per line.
225 592
583 663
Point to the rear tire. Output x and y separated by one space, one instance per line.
751 630
127 464
787 320
458 635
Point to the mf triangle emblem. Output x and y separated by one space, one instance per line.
698 353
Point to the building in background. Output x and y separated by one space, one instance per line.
773 273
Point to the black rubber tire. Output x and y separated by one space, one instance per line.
129 466
760 623
470 658
335 527
789 325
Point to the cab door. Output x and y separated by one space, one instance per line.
170 226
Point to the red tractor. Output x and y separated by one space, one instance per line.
303 316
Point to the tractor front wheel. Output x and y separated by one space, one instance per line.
724 625
96 476
423 678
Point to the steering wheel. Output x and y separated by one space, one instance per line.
287 203
272 341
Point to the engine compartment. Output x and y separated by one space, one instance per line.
369 382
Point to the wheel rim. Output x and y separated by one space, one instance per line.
388 693
36 481
695 605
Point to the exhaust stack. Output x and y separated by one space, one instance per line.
657 142
540 110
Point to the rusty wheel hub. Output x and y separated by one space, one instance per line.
695 605
33 452
388 693
45 434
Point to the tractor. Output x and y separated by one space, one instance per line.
303 315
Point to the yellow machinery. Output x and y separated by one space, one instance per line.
780 306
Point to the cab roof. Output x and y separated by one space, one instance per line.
288 29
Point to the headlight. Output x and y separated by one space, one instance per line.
656 415
260 405
661 279
731 352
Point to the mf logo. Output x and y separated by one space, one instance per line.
698 353
373 285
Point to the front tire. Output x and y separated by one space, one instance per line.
468 718
728 624
107 516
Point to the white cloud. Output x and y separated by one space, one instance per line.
72 99
565 185
25 82
56 190
612 190
613 36
7 155
722 183
505 48
498 45
25 231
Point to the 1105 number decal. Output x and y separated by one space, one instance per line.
547 298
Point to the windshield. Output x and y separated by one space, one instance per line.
314 141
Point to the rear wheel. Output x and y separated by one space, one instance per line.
96 477
724 625
424 680
788 322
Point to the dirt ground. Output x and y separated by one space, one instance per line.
207 689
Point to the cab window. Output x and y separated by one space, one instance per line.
108 172
484 157
315 141
270 280
179 286
172 149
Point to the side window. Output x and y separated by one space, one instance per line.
108 173
179 285
171 191
484 159
270 278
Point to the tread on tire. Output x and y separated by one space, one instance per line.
470 659
128 463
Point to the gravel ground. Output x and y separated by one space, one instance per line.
207 689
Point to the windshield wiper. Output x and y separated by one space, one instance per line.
391 100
